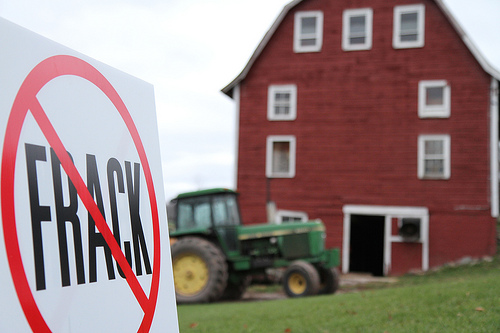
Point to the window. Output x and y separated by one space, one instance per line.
225 210
409 23
308 33
357 29
283 216
282 102
194 213
280 156
434 157
434 99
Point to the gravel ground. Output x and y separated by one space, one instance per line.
350 281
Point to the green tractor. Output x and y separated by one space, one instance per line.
215 257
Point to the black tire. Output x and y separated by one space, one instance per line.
301 279
200 270
329 280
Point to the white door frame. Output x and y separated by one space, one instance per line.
389 212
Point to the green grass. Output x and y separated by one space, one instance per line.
461 299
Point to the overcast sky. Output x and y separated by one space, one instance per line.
189 50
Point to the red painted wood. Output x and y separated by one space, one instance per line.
357 129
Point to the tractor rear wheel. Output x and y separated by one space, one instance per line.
200 270
329 280
301 279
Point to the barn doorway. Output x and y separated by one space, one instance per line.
367 244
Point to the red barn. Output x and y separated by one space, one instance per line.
379 117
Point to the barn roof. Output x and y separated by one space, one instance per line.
487 67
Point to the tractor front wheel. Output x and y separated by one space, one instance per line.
301 279
200 270
329 280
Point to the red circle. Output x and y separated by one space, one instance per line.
43 73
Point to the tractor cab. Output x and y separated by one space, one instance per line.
213 211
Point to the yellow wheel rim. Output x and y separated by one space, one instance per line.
297 283
190 274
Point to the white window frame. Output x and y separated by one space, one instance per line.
298 36
434 111
281 213
396 39
445 156
346 29
269 156
271 102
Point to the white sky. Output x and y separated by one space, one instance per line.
189 50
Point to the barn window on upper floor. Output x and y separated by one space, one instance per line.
280 156
434 157
308 31
357 29
282 102
434 99
409 26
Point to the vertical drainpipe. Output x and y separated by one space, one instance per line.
270 204
494 146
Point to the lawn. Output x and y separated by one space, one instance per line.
459 299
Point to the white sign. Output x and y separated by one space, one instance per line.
83 241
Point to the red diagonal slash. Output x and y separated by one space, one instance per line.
89 203
25 101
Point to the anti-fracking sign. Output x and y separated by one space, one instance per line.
84 239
